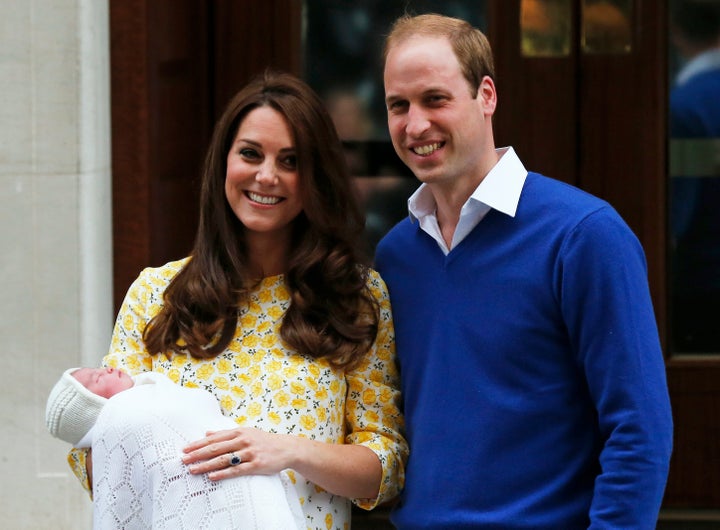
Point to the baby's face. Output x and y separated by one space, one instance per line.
105 382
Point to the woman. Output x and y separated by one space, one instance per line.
276 313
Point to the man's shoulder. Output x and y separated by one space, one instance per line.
559 208
549 193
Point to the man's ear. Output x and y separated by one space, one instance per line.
487 96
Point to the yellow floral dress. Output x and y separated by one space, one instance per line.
261 383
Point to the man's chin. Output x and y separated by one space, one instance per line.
426 175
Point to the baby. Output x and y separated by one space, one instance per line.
136 427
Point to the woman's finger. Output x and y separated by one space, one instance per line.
208 452
215 463
212 437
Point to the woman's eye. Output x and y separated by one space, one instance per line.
249 153
290 161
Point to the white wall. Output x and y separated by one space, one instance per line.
55 240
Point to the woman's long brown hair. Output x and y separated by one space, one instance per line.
331 315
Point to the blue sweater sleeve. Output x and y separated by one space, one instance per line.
602 285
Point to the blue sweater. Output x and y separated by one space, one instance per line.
533 379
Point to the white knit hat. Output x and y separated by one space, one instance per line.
71 409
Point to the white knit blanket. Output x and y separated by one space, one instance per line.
139 481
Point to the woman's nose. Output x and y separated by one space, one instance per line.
266 173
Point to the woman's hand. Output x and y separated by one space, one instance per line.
352 471
258 452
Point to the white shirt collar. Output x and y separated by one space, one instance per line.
499 190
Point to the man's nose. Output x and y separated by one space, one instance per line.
417 122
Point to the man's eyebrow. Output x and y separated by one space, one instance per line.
433 90
429 91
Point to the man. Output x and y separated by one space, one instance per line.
533 379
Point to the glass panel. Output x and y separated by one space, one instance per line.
545 28
343 42
694 189
606 26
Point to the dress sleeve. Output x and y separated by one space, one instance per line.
142 302
77 461
373 407
127 349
